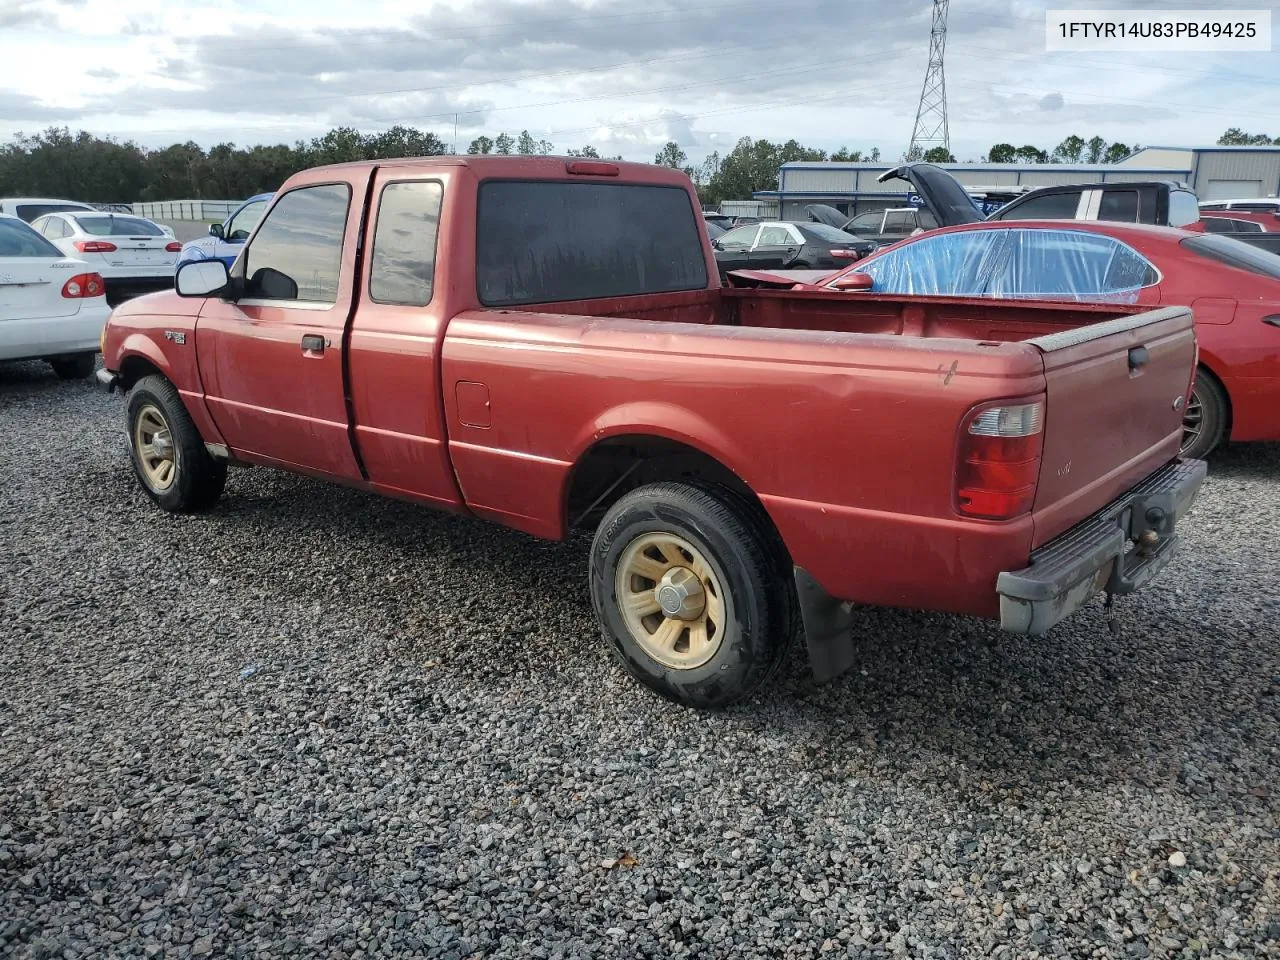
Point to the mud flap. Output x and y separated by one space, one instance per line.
828 628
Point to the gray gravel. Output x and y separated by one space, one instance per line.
317 724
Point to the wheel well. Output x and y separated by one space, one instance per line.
1226 397
614 467
134 368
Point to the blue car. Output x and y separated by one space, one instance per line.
226 239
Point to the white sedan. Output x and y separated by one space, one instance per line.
132 253
52 307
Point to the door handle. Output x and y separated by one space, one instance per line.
312 343
1138 357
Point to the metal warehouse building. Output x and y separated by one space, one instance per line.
1215 173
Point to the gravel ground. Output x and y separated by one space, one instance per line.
317 724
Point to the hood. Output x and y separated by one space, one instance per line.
779 279
940 192
161 303
822 213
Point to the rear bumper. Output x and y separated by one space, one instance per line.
1119 549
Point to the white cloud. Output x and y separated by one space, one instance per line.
625 77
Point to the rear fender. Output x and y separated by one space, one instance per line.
664 420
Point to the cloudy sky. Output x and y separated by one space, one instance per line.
623 75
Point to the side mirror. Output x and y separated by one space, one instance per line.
215 230
271 284
854 281
716 244
201 278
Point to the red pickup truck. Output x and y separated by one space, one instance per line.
544 343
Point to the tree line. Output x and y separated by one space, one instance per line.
58 163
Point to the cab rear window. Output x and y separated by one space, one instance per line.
1235 253
549 242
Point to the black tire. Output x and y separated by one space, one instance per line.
73 368
747 562
1205 425
197 479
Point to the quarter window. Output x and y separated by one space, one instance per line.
404 243
297 254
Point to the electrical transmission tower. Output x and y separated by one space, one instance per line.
931 116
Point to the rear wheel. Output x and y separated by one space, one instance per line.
73 368
1204 424
168 455
692 594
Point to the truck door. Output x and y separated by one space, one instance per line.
397 332
272 362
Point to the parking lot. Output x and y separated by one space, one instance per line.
316 723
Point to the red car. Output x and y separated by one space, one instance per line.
1232 288
1241 216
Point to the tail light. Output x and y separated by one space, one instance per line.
999 462
95 246
844 254
83 286
174 247
592 168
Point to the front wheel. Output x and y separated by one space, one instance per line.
692 593
168 454
73 368
1204 424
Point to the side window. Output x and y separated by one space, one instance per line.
866 222
297 255
1052 206
1219 225
1071 265
949 264
900 221
404 243
775 237
1248 226
925 220
740 236
242 223
1183 208
1120 205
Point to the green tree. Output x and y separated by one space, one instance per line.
939 155
671 156
588 152
504 145
1096 149
480 145
1002 153
845 155
1115 153
1031 154
525 144
1235 137
1069 150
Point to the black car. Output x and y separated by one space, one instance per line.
777 245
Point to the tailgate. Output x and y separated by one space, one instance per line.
1115 393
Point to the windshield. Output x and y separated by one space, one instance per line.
19 240
1235 253
824 232
118 227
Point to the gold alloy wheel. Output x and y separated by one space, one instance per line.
156 452
671 600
